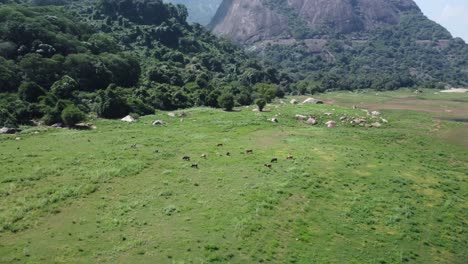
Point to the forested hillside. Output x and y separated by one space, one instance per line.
115 57
414 52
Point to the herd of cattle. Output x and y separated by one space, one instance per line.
248 151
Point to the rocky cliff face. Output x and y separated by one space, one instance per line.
248 21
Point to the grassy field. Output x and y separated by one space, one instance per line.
123 194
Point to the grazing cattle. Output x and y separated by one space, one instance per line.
156 151
195 165
203 156
267 165
249 151
274 160
228 153
133 146
290 157
186 158
219 145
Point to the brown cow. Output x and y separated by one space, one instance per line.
267 165
249 151
290 157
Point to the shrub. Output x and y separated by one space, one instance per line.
64 87
226 101
260 103
30 92
71 115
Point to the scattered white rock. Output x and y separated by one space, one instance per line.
158 123
294 101
171 114
301 117
384 120
8 130
311 100
375 113
311 121
128 119
376 124
331 124
18 139
274 120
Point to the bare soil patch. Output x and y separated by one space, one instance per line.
443 109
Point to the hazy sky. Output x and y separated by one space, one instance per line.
452 14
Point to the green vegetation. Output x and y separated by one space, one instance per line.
115 57
123 194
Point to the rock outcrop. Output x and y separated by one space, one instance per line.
249 21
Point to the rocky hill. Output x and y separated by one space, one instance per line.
248 21
347 44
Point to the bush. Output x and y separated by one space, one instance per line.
64 87
226 101
72 115
260 103
111 104
30 92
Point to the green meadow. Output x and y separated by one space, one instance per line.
122 193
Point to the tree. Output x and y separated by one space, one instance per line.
260 103
266 91
124 67
111 104
226 101
72 115
30 92
8 76
64 87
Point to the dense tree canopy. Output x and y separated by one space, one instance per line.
115 57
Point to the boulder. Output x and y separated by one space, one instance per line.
376 124
331 124
158 123
128 119
375 113
358 121
8 130
171 114
301 117
311 121
343 118
294 101
57 125
311 100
